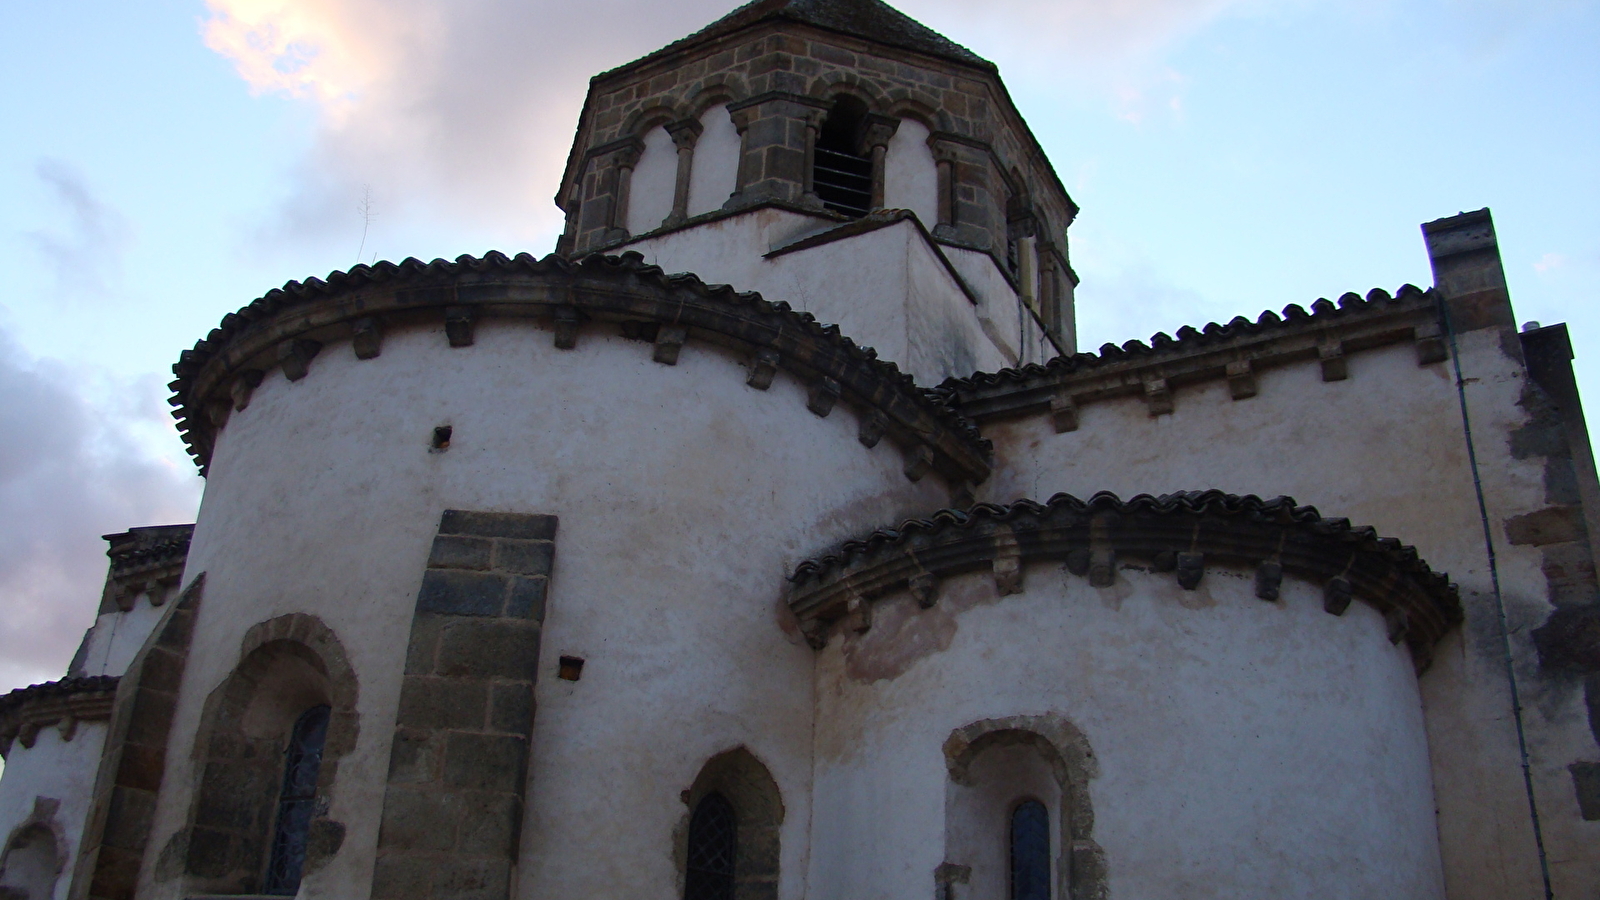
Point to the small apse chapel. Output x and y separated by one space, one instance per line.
835 570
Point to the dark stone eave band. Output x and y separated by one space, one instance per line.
64 703
617 289
1234 351
1174 532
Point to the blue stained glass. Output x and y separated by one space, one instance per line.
297 802
1030 851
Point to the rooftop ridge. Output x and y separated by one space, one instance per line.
872 20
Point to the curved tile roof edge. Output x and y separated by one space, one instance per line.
630 263
161 550
64 687
1189 338
1189 502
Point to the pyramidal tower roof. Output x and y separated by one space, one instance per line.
871 20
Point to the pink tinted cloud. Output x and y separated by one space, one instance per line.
467 107
84 457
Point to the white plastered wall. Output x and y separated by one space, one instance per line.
715 173
117 637
684 498
1383 448
910 175
59 770
885 288
655 178
1245 749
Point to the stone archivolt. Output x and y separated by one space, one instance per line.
1179 533
1235 351
62 704
287 328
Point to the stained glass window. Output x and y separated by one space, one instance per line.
713 849
296 804
1030 851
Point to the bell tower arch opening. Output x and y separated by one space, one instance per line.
841 172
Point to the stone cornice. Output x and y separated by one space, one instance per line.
287 328
146 560
62 704
1179 533
1235 351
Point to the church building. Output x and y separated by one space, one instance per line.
774 539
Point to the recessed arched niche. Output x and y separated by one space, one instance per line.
911 176
715 173
1004 779
31 863
654 180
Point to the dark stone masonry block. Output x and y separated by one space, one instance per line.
163 669
141 767
527 598
414 757
210 853
1586 781
492 524
452 814
400 876
489 825
419 820
1555 524
493 648
152 717
511 709
131 812
452 551
434 703
424 644
485 762
524 557
461 593
472 880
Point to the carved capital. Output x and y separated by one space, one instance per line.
685 134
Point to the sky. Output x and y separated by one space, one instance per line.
167 161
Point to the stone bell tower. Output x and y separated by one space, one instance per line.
837 155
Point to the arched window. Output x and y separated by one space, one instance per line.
713 850
727 843
297 802
651 189
1030 851
841 173
269 746
714 175
1018 819
30 865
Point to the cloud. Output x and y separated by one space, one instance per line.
85 454
463 108
1078 33
466 108
1549 263
85 258
1132 302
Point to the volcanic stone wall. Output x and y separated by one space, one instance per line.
778 81
453 812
